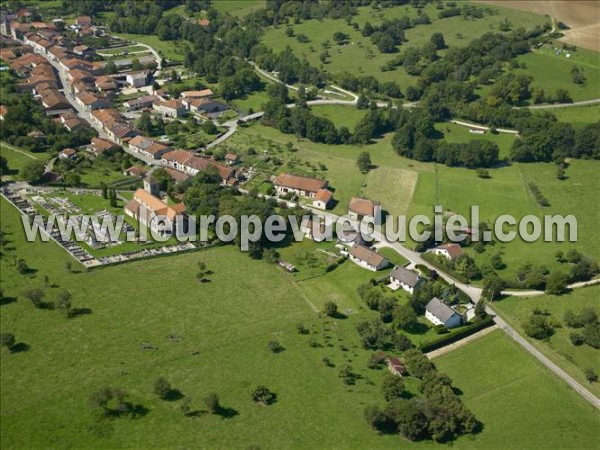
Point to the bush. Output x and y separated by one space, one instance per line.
591 375
261 394
456 335
576 338
538 327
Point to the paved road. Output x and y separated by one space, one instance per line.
566 105
533 293
546 361
481 127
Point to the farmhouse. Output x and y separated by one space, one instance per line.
189 163
100 146
170 108
145 207
438 313
323 199
404 278
203 105
148 147
67 153
449 251
367 258
361 207
303 186
396 367
137 79
140 103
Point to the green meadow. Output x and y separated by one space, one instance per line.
361 57
495 374
574 359
552 71
212 337
578 116
407 186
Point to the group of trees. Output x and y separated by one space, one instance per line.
586 321
438 414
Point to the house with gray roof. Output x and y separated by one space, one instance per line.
403 278
439 313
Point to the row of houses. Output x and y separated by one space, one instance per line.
195 102
191 164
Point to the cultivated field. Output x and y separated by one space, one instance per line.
581 16
574 359
392 187
494 374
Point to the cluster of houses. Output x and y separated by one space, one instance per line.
197 103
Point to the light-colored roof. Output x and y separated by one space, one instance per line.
362 206
300 183
440 310
405 276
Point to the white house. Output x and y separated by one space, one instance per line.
438 313
367 258
137 79
360 208
404 278
323 199
449 251
303 186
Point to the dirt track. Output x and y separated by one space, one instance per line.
582 16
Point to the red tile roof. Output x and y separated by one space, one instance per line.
300 183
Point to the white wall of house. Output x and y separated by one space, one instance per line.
442 252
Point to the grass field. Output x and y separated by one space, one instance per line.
224 326
172 50
238 8
551 71
574 359
18 158
495 374
578 116
458 134
362 57
341 116
392 187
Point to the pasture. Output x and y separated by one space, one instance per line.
458 134
578 116
222 329
238 8
361 57
172 50
494 375
341 116
573 359
552 71
18 158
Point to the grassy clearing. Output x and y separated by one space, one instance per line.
18 158
120 50
578 116
172 50
393 187
225 326
393 256
341 116
495 374
505 193
458 134
574 359
362 57
238 8
552 72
